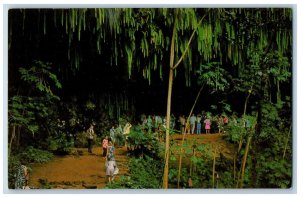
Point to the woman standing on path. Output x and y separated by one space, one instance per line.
207 125
111 165
104 146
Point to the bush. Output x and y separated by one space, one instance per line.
61 143
144 174
13 164
81 140
33 155
143 143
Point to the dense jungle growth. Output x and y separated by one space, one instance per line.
69 68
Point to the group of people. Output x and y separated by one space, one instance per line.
119 135
196 124
108 153
110 161
189 125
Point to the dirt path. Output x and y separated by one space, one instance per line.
82 170
212 141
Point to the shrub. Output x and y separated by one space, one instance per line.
13 164
144 173
30 155
61 143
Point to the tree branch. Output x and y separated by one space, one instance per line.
190 40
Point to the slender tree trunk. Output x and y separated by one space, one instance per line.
170 86
168 116
213 168
245 157
234 167
179 167
183 138
241 182
13 135
18 136
191 165
244 116
286 142
278 92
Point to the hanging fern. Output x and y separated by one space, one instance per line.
238 31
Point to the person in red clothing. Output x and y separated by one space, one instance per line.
225 121
104 146
207 125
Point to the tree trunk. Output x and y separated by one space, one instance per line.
179 167
183 138
234 167
191 165
213 169
166 169
13 135
170 86
286 143
244 116
241 181
278 92
18 137
168 116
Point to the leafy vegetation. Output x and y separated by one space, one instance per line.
28 156
100 59
144 173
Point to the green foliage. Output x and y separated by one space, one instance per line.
40 77
60 143
272 169
145 173
81 140
274 173
22 114
90 105
13 165
143 142
213 75
29 111
34 155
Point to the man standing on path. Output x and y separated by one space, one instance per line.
112 133
192 123
90 134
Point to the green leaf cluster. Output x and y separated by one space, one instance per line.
145 173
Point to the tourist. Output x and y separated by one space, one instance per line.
90 137
193 123
119 140
149 123
22 177
126 131
188 126
207 125
182 123
172 122
198 120
104 146
112 133
220 123
111 165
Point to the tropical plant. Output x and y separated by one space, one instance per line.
145 173
148 39
31 111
